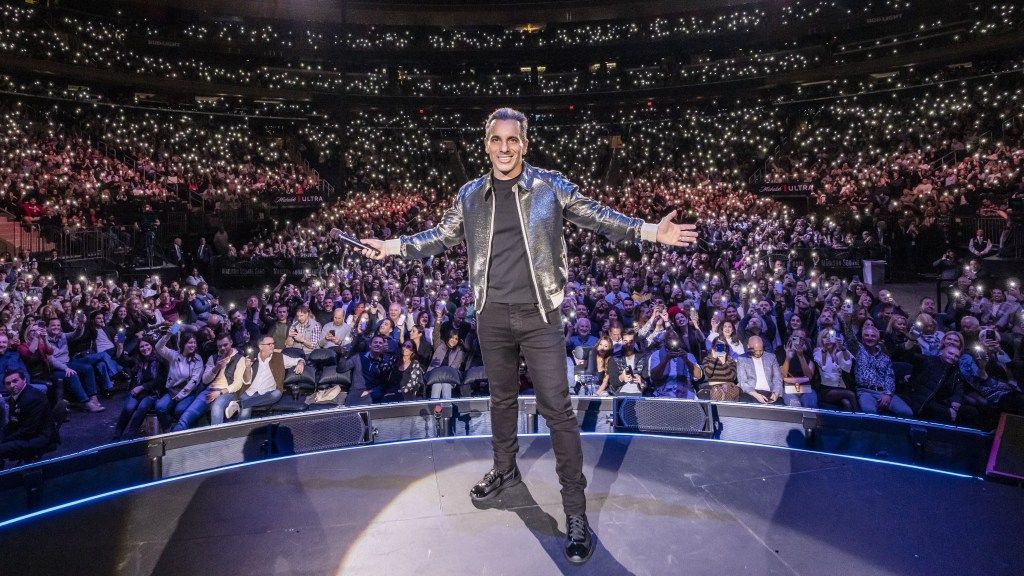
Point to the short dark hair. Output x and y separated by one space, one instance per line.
9 372
507 114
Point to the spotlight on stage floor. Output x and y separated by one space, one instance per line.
659 505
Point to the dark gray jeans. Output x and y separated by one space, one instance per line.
505 330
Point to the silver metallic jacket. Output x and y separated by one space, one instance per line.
545 199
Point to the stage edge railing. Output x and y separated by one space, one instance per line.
123 465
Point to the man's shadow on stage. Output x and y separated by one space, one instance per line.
544 526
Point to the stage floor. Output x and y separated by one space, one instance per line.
659 506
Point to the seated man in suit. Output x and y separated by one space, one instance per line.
29 427
758 374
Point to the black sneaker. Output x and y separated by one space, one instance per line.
494 482
578 543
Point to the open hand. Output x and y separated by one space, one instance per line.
676 234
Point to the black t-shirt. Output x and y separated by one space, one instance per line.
509 277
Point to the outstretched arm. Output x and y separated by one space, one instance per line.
591 214
436 240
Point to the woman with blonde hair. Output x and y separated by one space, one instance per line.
834 361
953 337
898 339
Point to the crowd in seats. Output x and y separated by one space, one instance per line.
63 181
368 341
90 172
81 30
752 313
120 172
139 48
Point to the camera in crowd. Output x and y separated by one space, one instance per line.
674 346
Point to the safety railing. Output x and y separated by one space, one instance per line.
137 462
112 242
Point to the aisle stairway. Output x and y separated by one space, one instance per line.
14 237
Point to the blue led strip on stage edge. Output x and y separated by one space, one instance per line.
94 498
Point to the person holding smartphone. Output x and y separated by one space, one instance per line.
148 379
184 373
720 382
835 363
337 332
674 369
626 374
654 330
797 372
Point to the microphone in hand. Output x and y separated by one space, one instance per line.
369 247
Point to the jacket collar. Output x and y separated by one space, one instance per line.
524 184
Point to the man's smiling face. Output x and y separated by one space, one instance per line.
505 146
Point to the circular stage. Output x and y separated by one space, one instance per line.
659 505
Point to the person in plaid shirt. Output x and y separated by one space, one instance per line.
304 331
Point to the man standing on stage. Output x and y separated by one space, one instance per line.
512 222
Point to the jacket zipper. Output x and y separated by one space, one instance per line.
487 256
529 257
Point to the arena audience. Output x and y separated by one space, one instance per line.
757 311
